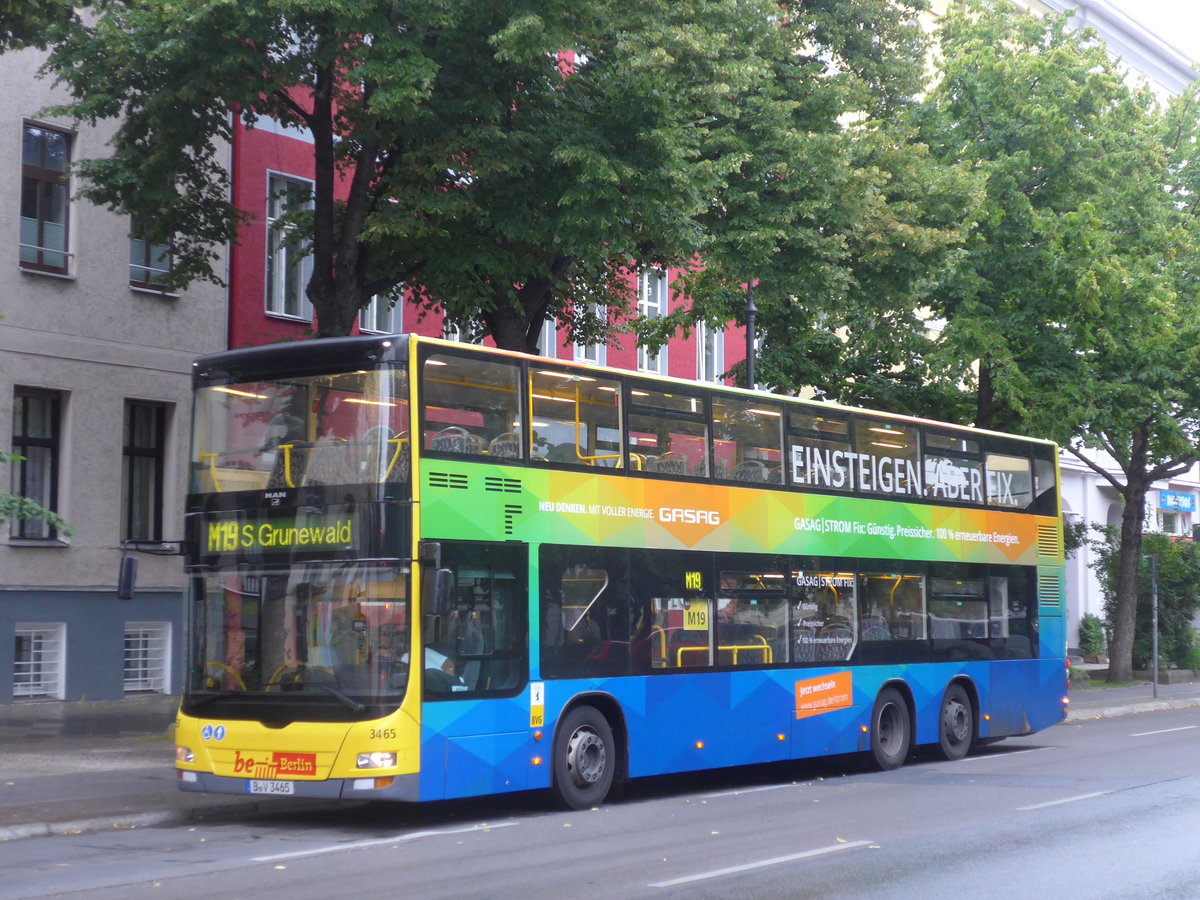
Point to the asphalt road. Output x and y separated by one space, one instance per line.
1090 808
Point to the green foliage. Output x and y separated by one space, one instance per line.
28 23
1091 635
505 183
15 509
1178 595
1075 535
1071 311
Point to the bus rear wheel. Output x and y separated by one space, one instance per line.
891 730
585 758
956 724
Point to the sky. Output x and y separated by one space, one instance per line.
1175 21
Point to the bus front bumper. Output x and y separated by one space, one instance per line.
393 787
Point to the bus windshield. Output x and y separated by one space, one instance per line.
331 639
313 430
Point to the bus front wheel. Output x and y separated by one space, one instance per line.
956 725
584 758
891 730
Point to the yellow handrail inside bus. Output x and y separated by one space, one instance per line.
400 442
690 648
212 468
762 647
230 669
287 464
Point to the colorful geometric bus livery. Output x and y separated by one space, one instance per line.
571 507
420 570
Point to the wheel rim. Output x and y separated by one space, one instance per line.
890 730
956 721
586 757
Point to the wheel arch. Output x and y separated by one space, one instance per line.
905 691
967 683
605 704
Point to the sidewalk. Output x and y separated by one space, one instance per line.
1097 702
67 768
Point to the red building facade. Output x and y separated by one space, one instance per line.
267 276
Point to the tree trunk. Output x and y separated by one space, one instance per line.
1124 618
985 398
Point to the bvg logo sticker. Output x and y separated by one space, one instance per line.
277 765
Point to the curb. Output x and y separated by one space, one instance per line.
1106 712
81 826
161 817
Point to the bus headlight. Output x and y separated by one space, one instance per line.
184 754
377 760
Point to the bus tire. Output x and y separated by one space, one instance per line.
585 758
891 730
956 724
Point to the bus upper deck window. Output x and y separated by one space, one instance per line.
471 407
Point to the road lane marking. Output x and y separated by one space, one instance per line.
397 839
1002 754
1064 800
1163 731
746 867
765 787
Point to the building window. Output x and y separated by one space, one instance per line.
381 316
652 304
289 264
548 342
149 263
147 656
710 354
142 470
593 353
45 189
36 418
39 661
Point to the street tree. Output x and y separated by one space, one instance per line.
837 227
512 161
1072 310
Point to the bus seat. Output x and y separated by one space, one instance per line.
670 463
834 642
506 445
806 645
750 470
455 439
701 469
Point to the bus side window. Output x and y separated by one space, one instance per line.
585 612
471 407
480 646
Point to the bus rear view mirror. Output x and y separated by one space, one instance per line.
442 582
127 578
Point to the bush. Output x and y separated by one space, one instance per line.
1091 635
1178 595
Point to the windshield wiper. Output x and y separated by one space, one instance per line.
349 701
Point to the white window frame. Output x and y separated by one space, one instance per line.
548 342
451 332
595 354
653 303
147 657
44 674
282 257
378 317
710 354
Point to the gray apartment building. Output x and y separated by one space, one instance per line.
95 362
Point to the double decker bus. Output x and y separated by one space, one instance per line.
420 570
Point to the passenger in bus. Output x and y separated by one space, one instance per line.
441 676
